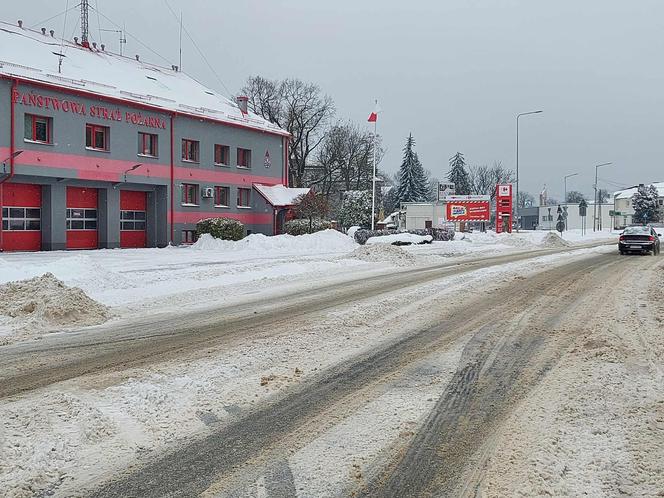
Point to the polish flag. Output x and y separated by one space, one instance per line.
373 117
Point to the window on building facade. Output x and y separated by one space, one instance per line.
222 154
21 219
189 193
38 129
96 137
243 197
81 219
147 144
243 158
222 196
132 220
190 150
188 236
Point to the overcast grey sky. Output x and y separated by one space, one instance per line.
453 72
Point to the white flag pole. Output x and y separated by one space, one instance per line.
373 194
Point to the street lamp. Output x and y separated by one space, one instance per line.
135 166
565 198
595 221
517 162
12 156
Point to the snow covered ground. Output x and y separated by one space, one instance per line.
70 435
135 282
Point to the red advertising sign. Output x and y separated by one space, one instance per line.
465 210
504 208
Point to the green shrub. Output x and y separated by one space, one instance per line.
221 228
300 227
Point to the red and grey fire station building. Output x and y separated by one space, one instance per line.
104 151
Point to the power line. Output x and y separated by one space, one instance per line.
200 52
98 21
132 36
67 9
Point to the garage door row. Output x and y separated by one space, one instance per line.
22 220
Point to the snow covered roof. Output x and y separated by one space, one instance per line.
391 218
280 196
628 193
30 55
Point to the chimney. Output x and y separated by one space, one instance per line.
137 58
44 31
20 23
103 47
52 33
242 103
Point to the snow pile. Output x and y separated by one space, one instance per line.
553 240
77 270
383 253
401 239
351 231
320 242
45 302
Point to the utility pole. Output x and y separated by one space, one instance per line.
373 180
565 198
595 224
180 67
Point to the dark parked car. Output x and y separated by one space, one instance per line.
641 239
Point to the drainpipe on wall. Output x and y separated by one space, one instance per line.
286 143
172 182
11 151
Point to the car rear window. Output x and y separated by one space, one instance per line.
636 230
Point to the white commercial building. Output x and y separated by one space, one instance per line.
548 216
624 209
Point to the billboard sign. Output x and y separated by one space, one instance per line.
467 209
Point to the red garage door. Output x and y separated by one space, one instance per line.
133 211
21 217
82 218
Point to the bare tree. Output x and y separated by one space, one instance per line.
525 199
344 160
310 206
299 108
574 197
483 179
602 195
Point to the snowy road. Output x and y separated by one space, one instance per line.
413 382
158 338
509 346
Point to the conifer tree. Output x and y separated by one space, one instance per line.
413 182
459 175
644 203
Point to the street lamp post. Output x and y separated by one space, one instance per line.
595 221
517 163
565 198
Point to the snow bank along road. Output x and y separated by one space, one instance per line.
409 384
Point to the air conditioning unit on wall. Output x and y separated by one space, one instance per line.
208 192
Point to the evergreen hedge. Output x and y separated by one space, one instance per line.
221 228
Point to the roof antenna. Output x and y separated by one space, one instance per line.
180 66
84 24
